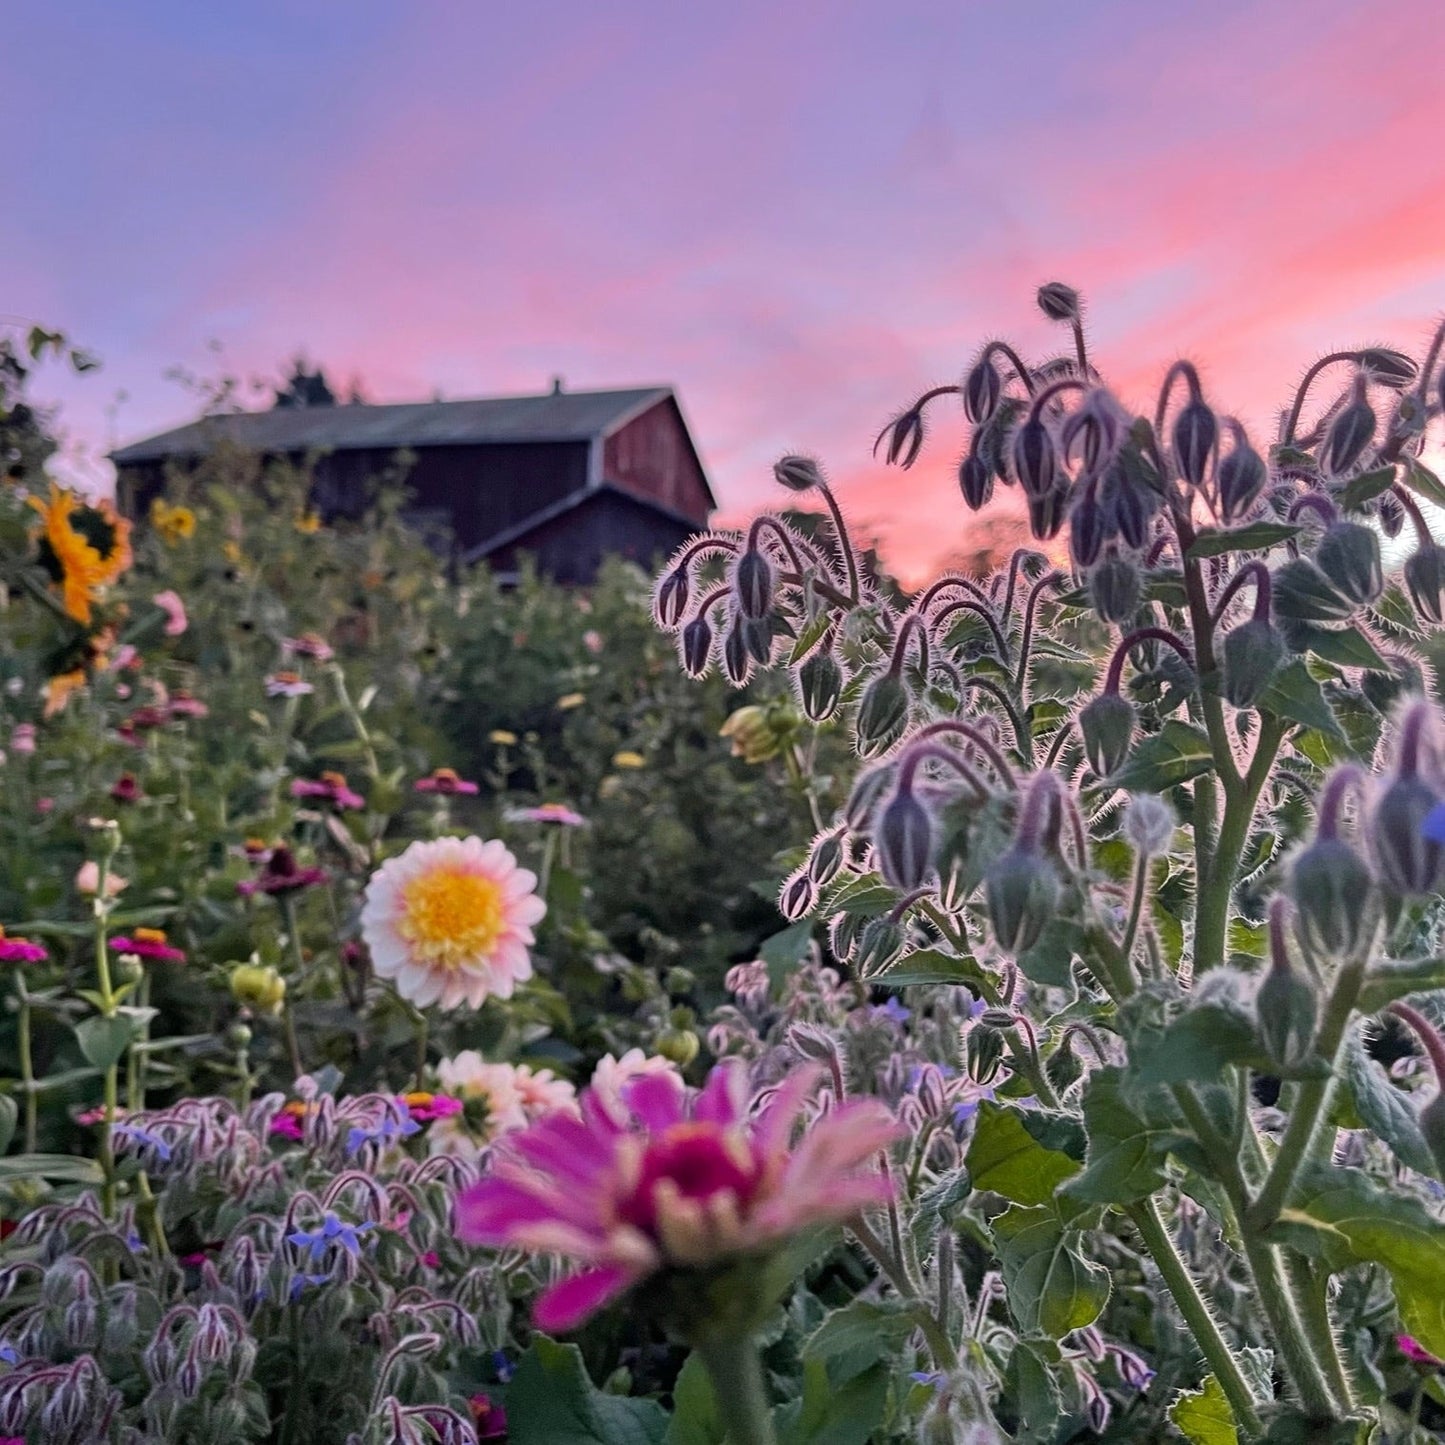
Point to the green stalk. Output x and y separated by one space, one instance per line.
27 1067
108 1007
736 1373
1304 1371
1310 1289
1212 1344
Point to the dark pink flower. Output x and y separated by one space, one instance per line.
20 950
149 943
290 1123
424 1107
330 787
489 1418
309 644
444 780
174 608
125 789
183 705
1416 1353
686 1183
281 874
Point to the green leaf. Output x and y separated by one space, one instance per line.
1257 537
9 1114
1173 755
1004 1158
1399 978
1203 1416
1295 696
862 1334
1048 961
831 1414
103 1040
1349 647
1126 1154
696 1419
552 1401
1365 488
1034 1388
864 897
1385 1227
938 1203
1386 1110
1197 1045
929 965
784 951
1423 482
58 1168
809 637
1052 1289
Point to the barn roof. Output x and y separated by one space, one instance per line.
556 416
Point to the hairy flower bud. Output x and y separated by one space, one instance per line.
882 712
1059 302
1387 367
696 646
829 854
1390 513
1251 654
1149 824
797 473
1407 862
903 841
1302 593
981 390
1349 555
1196 431
975 480
1115 588
798 896
1023 893
737 659
671 597
880 942
843 936
1287 1010
1241 478
1035 462
753 583
868 790
1425 579
1106 724
1047 513
982 1054
758 638
1331 888
1088 529
820 685
1131 498
1349 433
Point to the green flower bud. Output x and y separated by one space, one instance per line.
982 1054
843 935
1106 724
259 987
1287 1013
1023 893
1349 555
1115 588
879 944
679 980
678 1045
1251 655
820 685
1302 593
882 713
238 1036
753 583
1332 889
129 968
903 841
826 860
1425 579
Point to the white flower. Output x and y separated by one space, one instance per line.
612 1073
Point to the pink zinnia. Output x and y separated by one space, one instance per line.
558 814
424 1107
182 704
282 874
689 1184
22 739
125 789
330 786
287 684
309 644
20 950
149 943
170 603
450 921
444 780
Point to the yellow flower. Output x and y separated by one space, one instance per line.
628 759
85 558
571 700
173 523
231 551
502 738
308 522
760 733
59 688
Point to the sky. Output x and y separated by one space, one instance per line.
801 213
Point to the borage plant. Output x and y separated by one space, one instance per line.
1165 798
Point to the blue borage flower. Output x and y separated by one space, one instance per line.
385 1132
144 1139
332 1231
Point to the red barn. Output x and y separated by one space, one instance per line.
568 477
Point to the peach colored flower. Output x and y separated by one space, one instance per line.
612 1075
87 880
491 1105
171 604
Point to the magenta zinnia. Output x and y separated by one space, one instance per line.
450 921
685 1183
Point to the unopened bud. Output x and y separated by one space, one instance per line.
1132 496
1195 434
903 840
753 583
1251 655
737 661
1106 724
758 639
982 1054
1059 302
1390 513
1349 555
1149 824
258 986
671 598
975 480
1047 513
1241 479
680 1046
239 1035
1331 888
696 646
797 897
1287 1010
1407 862
882 713
1088 529
1386 367
1302 593
879 943
843 936
981 390
1425 579
1023 893
868 790
1115 588
1349 434
828 856
797 473
820 686
1035 461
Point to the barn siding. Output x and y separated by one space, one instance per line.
653 457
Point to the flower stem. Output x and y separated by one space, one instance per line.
27 1066
1197 1316
736 1373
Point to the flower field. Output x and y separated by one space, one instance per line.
751 1004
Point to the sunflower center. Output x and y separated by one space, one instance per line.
448 918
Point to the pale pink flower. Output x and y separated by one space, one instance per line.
542 1092
309 644
592 641
22 739
687 1184
287 684
446 781
491 1102
87 880
449 922
558 814
612 1075
171 604
125 657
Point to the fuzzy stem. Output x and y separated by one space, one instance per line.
1301 1367
968 604
966 730
1004 349
27 1066
1299 397
1423 535
738 1387
1144 634
1256 572
1310 1288
1166 389
1049 579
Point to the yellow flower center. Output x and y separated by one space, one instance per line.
149 935
448 918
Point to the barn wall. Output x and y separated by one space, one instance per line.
653 457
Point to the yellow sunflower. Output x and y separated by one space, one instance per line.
85 546
173 523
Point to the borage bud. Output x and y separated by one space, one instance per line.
868 790
1349 433
1349 555
798 896
880 942
670 601
1035 462
1387 367
797 473
820 686
1088 529
905 438
737 662
1131 499
1023 893
1240 479
981 390
1149 824
903 841
1115 588
1425 578
1195 434
1286 1005
826 860
975 480
758 639
843 936
1302 593
696 646
882 713
1251 654
1059 302
1390 512
982 1054
1046 513
1106 724
753 583
1331 888
1407 861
